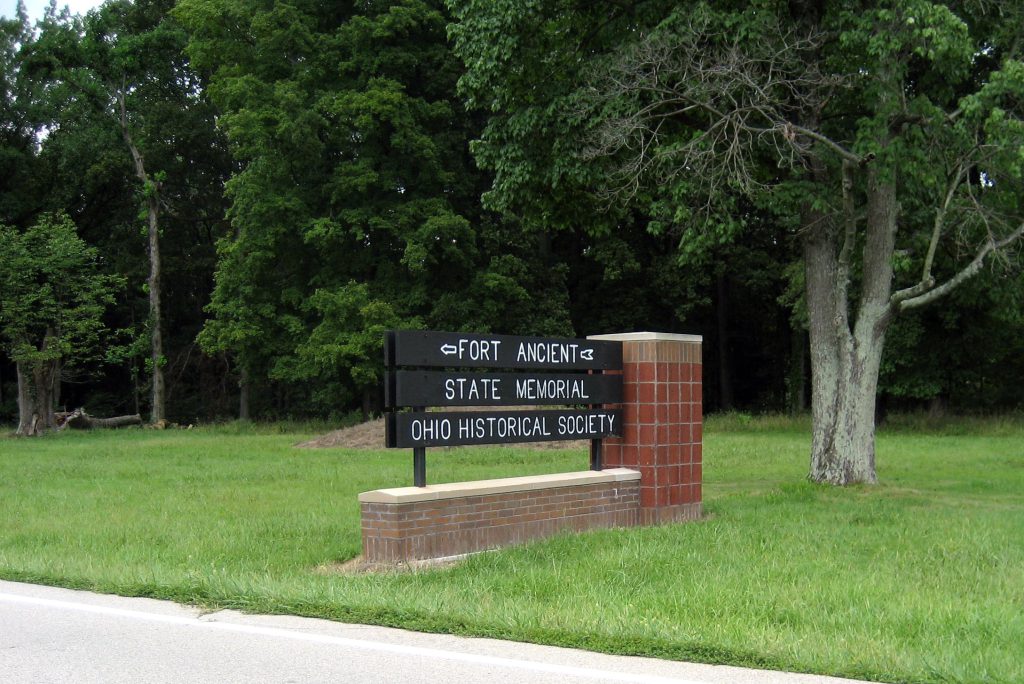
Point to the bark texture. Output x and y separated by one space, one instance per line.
80 420
243 395
724 357
846 355
28 417
35 397
158 407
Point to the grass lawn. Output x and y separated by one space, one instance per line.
920 579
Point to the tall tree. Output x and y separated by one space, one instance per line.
18 123
876 132
355 200
53 293
122 70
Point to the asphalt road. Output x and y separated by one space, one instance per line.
58 635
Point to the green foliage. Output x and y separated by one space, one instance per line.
348 338
83 69
728 124
355 203
980 330
524 63
53 295
342 141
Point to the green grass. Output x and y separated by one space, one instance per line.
920 579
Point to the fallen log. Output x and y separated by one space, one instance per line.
80 420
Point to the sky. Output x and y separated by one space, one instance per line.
37 7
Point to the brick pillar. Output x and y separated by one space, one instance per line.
663 423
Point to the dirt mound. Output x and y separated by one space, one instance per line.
370 435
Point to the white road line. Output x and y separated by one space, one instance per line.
492 661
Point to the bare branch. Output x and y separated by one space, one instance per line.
850 236
940 218
704 105
846 154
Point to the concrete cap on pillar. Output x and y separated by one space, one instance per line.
647 336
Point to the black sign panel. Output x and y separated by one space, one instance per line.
476 350
423 429
439 388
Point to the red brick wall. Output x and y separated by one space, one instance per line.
401 532
661 442
663 423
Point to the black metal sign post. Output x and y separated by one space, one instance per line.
596 445
419 461
417 388
596 455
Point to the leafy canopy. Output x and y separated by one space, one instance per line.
53 294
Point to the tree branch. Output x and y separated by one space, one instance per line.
828 142
140 166
850 236
920 295
940 219
740 100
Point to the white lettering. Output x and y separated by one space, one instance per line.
555 389
571 425
588 424
427 429
477 350
552 353
472 388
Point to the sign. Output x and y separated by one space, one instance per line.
422 429
419 429
476 350
439 388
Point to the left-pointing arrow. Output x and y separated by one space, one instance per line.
448 349
587 354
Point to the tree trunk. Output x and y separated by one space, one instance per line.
80 420
136 403
55 383
843 442
724 360
845 361
796 379
243 395
158 409
28 419
35 399
41 377
842 390
152 193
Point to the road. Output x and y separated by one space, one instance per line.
59 635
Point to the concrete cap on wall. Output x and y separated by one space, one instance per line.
502 486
